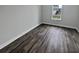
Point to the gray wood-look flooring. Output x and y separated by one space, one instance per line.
46 39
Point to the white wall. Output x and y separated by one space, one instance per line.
69 18
14 20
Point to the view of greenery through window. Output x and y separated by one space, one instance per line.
56 12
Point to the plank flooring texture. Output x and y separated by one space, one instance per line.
46 39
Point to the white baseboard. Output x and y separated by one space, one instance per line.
13 39
61 25
77 29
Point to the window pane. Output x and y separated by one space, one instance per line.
56 12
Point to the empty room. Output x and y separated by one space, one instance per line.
39 28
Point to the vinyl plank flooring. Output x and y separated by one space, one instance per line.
46 39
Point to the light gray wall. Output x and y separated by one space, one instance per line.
69 16
14 20
78 20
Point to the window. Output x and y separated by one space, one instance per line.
56 12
